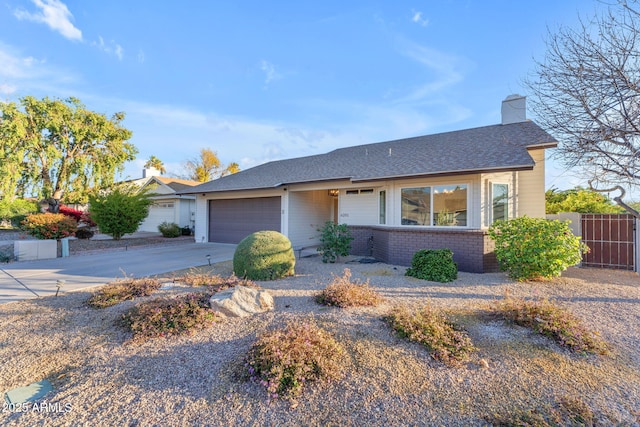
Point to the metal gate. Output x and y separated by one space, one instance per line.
611 239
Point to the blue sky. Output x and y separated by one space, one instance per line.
260 81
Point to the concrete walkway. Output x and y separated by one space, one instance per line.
32 279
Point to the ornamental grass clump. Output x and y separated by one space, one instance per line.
283 361
553 321
446 342
170 316
342 292
123 290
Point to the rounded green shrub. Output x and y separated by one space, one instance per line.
13 212
436 265
170 229
49 225
532 248
264 255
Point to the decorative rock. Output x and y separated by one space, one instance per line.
241 301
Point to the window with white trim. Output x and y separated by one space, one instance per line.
499 202
437 205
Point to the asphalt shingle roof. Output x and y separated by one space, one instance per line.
489 148
177 184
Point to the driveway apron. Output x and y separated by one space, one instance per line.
32 279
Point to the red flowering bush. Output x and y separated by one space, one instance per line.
78 215
49 226
73 213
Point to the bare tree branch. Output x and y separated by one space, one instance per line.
586 92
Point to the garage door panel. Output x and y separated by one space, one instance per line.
232 220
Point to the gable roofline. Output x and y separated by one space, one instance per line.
483 149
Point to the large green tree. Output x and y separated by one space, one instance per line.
57 148
120 210
580 200
207 166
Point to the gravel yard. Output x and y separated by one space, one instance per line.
100 378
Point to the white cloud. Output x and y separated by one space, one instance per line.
28 74
7 89
119 52
141 56
15 67
447 69
270 73
419 19
111 48
55 15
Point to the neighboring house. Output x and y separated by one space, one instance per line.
168 205
434 191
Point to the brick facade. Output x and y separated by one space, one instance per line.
473 250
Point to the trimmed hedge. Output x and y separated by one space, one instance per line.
264 255
435 265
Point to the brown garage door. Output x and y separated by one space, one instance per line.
234 219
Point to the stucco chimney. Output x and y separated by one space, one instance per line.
149 172
514 109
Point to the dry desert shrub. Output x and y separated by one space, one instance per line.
284 360
123 290
446 341
342 292
178 315
553 321
215 282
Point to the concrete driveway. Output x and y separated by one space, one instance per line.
32 279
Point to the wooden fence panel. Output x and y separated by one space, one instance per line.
611 240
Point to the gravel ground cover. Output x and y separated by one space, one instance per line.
101 378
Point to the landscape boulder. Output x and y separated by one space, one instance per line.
241 301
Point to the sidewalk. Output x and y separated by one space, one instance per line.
32 279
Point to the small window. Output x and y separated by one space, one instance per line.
163 205
364 191
383 207
500 202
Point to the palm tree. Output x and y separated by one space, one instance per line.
155 163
